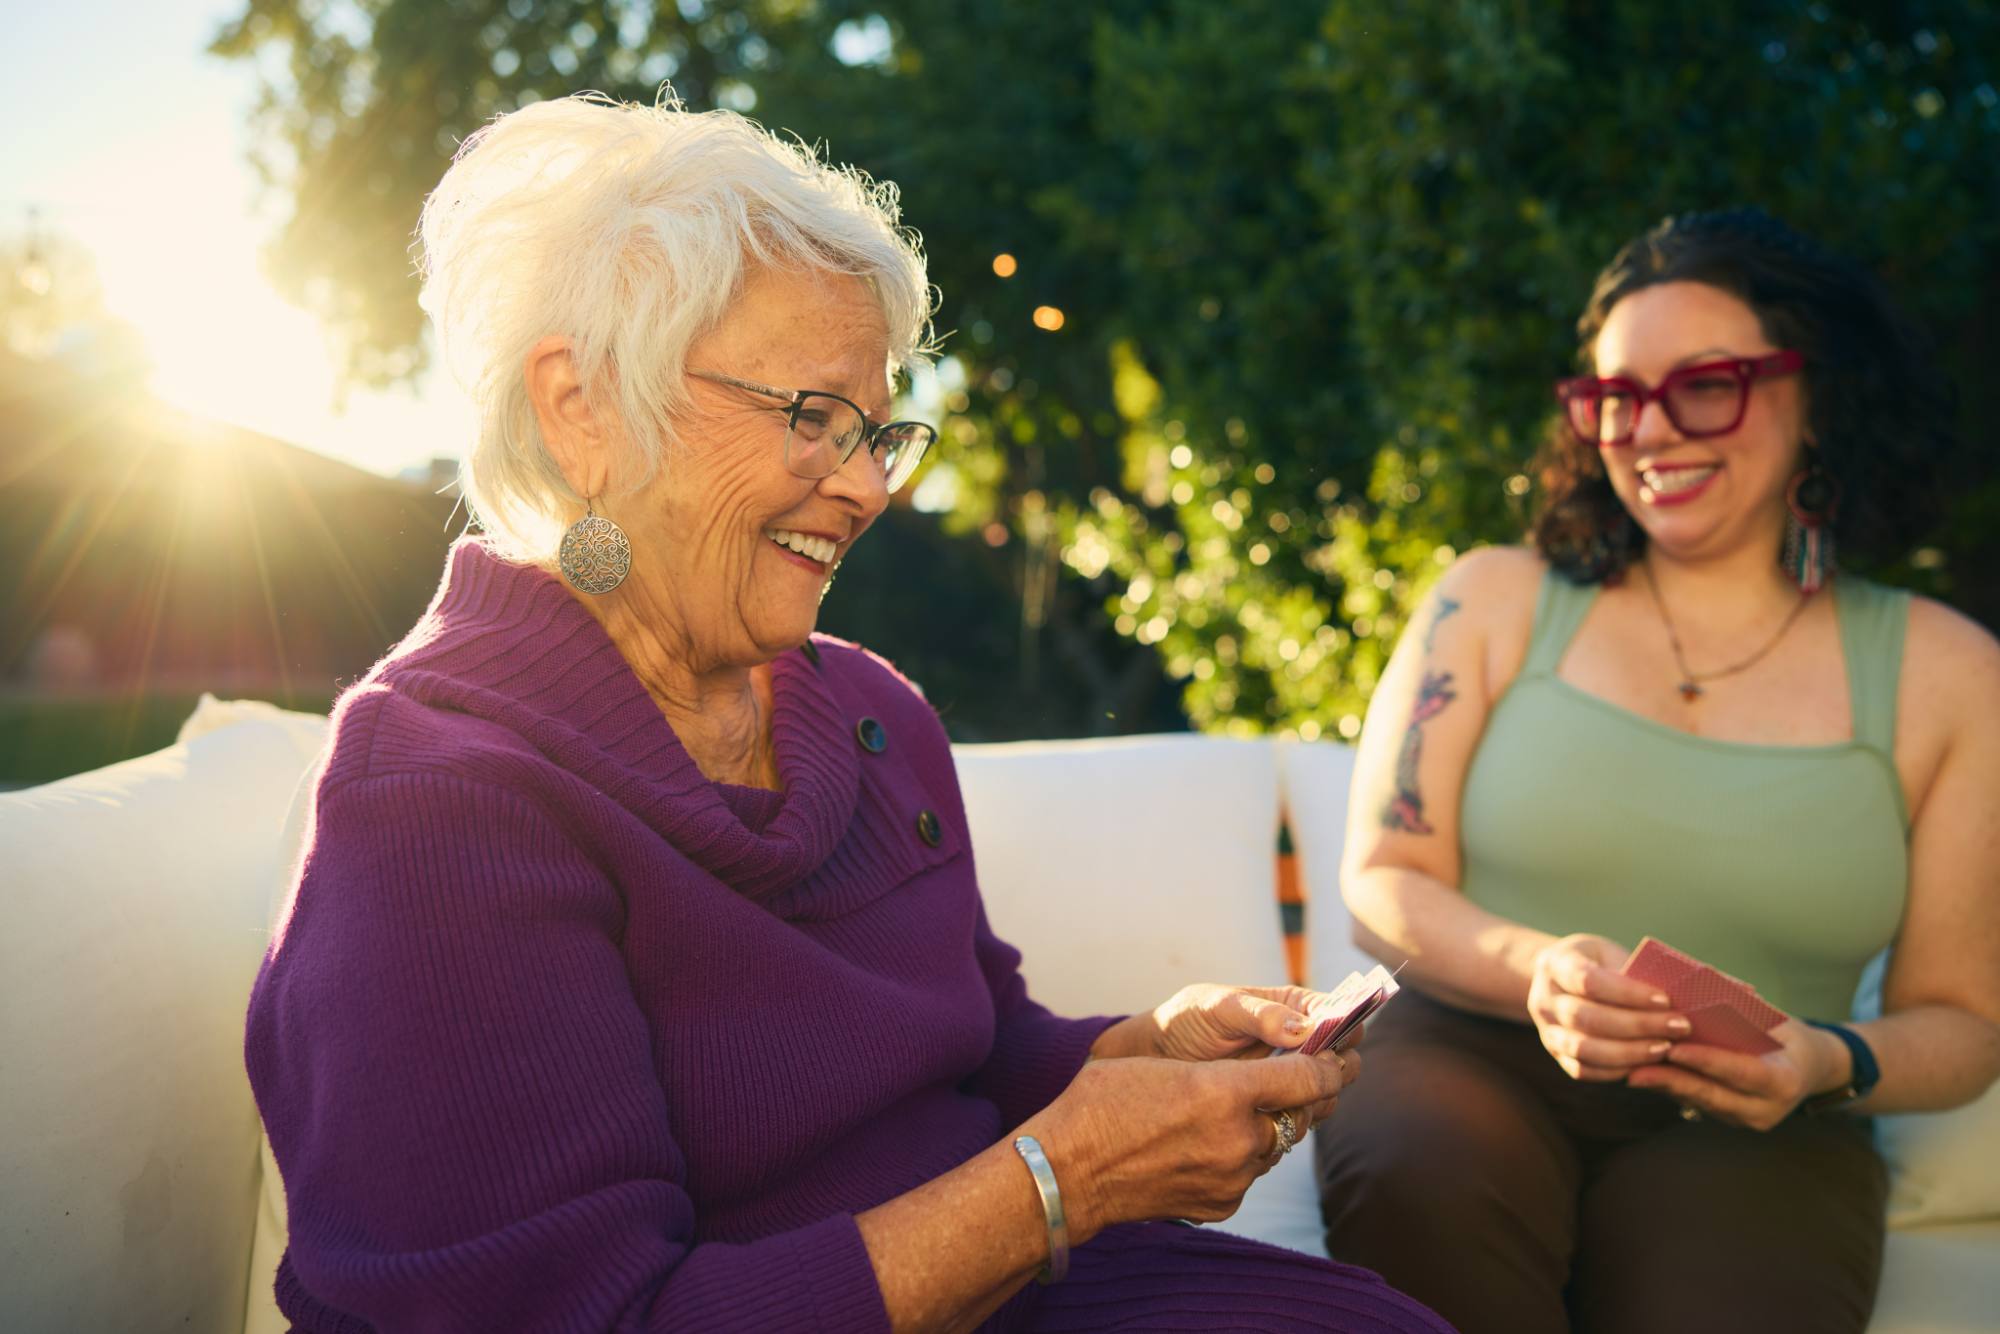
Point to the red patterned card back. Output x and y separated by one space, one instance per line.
1724 1026
1659 963
1693 985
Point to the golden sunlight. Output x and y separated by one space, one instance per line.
182 269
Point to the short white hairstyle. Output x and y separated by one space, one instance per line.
629 230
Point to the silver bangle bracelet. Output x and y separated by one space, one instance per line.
1052 1208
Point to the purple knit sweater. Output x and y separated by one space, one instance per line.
556 1034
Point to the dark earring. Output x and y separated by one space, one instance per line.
595 556
1812 499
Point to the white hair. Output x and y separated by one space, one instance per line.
629 230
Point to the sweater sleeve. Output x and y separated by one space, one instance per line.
1035 1053
459 1090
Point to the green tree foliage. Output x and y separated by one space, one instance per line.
52 302
1315 264
364 102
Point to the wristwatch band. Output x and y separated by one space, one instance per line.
1861 1080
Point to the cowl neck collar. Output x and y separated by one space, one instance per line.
509 643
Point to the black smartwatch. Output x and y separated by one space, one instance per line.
1861 1080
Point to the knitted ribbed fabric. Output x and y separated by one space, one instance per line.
555 1034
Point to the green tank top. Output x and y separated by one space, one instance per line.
1786 866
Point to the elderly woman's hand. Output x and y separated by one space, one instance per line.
1210 1022
1599 1024
1149 1138
1207 1022
1753 1091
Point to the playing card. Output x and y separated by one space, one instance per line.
1331 1014
1731 1013
1712 987
1692 984
1659 963
1338 1019
1726 1027
1348 1032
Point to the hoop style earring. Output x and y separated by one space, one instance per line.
595 556
1813 499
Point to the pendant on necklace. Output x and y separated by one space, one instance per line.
1690 691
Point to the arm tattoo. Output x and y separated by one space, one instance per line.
1445 607
1405 810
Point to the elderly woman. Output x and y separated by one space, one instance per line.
636 976
1673 715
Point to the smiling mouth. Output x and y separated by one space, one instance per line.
820 549
1674 481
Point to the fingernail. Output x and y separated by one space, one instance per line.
1660 999
1295 1026
1658 1048
1679 1026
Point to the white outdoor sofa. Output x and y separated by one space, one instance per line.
133 1193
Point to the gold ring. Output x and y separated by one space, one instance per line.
1288 1134
1690 1113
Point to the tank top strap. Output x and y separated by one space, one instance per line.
1872 623
1560 607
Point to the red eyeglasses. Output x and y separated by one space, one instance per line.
1705 400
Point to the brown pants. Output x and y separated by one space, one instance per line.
1469 1171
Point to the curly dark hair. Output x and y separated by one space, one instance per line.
1879 410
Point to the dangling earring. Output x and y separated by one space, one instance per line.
595 556
1813 498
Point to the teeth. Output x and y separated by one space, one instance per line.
813 548
1671 481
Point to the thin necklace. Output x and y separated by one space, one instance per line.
1691 680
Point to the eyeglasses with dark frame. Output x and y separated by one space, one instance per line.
1701 401
823 430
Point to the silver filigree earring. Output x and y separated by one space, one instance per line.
595 555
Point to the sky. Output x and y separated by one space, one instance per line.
127 139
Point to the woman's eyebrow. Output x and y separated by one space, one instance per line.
857 391
1706 354
1691 359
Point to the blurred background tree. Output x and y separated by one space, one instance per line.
52 304
1252 308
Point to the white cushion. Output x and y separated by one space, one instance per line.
1124 870
212 715
267 1247
1940 1280
261 1314
1315 776
1944 1167
136 898
1282 1206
